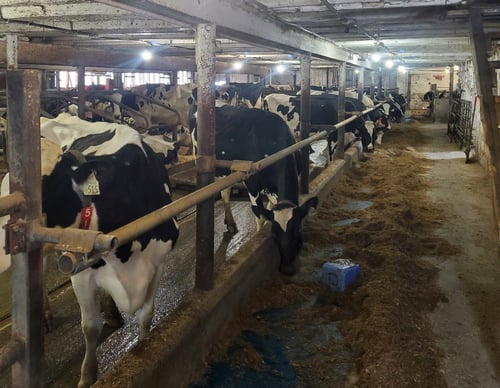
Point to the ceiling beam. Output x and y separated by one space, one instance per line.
40 55
239 20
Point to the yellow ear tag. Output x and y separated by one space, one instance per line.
91 185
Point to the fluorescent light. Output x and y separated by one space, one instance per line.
389 63
456 67
146 55
280 68
376 57
401 69
238 65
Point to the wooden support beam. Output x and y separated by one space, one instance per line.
37 55
484 79
242 21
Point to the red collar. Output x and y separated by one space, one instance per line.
86 217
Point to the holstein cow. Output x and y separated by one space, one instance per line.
323 112
251 134
65 136
395 106
159 106
127 181
247 94
376 121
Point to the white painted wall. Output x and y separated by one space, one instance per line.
421 81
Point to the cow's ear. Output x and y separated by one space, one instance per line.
309 206
100 170
262 212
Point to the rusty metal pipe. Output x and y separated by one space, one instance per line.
11 203
11 352
128 232
102 242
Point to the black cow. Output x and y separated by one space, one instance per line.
252 134
107 178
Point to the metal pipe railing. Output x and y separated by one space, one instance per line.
118 237
11 352
128 232
11 203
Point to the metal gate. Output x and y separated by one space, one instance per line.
460 125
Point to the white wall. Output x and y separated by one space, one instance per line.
421 81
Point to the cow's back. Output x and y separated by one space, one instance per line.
253 134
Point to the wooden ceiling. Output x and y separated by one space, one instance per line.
112 33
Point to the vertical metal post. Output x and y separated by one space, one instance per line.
117 80
339 151
81 92
205 63
408 90
450 87
379 86
372 85
23 110
361 83
11 54
305 118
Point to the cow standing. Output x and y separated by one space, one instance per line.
131 182
323 112
252 134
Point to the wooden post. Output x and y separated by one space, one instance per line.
81 92
339 151
488 115
305 118
205 127
361 83
23 110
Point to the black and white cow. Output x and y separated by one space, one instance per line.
395 106
252 134
157 106
247 94
323 112
128 181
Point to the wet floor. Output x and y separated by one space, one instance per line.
280 349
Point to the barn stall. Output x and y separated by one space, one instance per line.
322 74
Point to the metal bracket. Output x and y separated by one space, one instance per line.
245 166
16 237
75 246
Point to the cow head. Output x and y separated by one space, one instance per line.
286 227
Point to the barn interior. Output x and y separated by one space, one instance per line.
448 47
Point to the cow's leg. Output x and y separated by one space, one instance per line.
145 313
111 315
85 290
228 214
256 200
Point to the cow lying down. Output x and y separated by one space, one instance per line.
106 178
